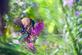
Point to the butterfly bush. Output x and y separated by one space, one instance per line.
39 26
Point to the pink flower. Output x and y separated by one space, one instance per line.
68 3
30 45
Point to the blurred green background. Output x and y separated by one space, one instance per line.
62 34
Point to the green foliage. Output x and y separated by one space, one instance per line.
62 34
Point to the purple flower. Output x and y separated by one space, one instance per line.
77 13
39 26
68 3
